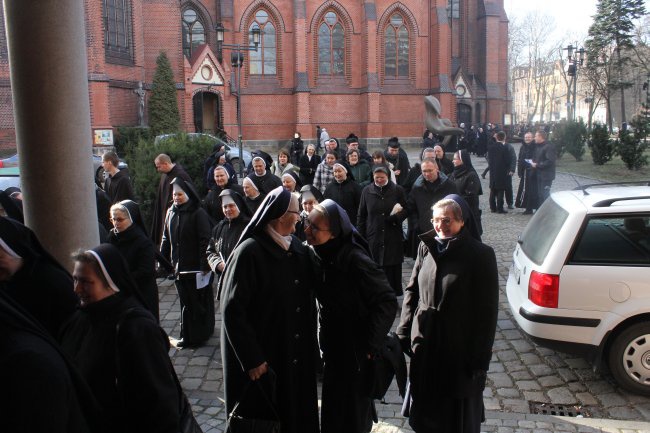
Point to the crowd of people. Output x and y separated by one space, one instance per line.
305 257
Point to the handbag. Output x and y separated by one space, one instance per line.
239 424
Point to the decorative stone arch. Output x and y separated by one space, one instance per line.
348 27
204 15
275 16
412 26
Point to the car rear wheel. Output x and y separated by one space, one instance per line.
629 359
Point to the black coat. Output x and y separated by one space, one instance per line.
346 194
423 195
164 201
269 316
140 254
499 163
445 165
212 201
469 187
358 307
118 187
449 315
308 168
400 162
545 157
254 203
129 373
382 230
186 237
267 183
223 240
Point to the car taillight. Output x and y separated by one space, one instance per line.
2 164
544 289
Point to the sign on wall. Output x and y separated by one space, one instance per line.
103 137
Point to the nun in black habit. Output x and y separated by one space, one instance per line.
269 320
119 348
33 278
35 373
357 309
227 232
129 236
185 241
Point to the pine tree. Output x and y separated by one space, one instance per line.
163 106
611 34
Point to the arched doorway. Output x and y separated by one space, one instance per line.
464 114
207 112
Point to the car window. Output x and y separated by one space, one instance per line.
541 231
616 240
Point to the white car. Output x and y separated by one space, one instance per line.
580 278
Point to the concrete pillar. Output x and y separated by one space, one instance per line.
46 41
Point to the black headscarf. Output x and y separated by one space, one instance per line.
135 216
313 190
275 204
114 267
189 189
341 227
468 216
13 207
466 159
244 210
22 241
295 177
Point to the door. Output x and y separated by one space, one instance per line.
206 112
464 114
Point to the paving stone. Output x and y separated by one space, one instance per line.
506 324
521 346
496 367
577 387
550 381
508 392
530 358
536 396
512 366
561 396
567 374
623 413
586 399
521 375
528 385
492 404
500 380
577 363
540 370
512 334
507 355
191 384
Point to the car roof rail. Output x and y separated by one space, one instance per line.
608 202
584 188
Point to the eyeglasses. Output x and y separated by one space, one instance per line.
312 227
444 221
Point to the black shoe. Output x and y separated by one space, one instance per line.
502 211
527 212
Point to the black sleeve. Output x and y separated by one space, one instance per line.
145 379
411 297
378 297
362 215
203 232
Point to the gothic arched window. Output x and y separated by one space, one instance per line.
118 29
396 48
331 46
263 61
194 33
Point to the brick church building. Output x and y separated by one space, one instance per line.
361 67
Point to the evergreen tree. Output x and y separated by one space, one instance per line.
611 34
631 144
602 147
163 106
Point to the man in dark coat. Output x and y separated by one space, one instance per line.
381 212
169 171
118 184
262 177
212 201
184 244
269 320
353 144
544 165
448 322
344 190
499 163
512 169
430 187
358 307
400 160
527 196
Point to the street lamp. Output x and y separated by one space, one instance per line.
237 61
575 61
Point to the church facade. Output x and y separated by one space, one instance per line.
361 67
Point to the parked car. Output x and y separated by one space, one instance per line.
9 176
580 278
232 153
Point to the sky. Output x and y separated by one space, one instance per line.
572 17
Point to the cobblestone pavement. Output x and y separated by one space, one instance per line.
520 372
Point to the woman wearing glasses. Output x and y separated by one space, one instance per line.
130 237
357 309
448 322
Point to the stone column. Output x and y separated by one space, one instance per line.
47 56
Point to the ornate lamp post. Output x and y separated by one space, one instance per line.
575 61
237 61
